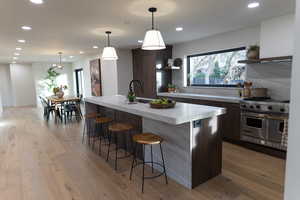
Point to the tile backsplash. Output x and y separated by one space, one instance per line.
276 77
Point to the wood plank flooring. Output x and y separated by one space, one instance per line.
40 161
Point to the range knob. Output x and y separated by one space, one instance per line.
282 110
251 107
270 107
243 106
258 106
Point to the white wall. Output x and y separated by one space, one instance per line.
292 182
277 36
40 72
115 75
5 85
23 88
1 106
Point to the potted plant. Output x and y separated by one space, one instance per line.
171 88
253 52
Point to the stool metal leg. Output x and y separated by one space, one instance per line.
109 142
84 131
143 178
151 158
133 160
100 138
163 160
117 148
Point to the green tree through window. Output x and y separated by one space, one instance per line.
217 68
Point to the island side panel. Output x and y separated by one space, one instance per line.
176 149
206 150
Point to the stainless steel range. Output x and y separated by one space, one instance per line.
265 122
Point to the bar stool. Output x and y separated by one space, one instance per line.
88 125
148 139
101 129
115 130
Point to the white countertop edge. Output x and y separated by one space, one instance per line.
201 97
170 120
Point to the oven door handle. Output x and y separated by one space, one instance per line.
255 115
276 117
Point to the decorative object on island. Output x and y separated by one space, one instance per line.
109 52
95 67
171 88
153 39
59 91
253 52
131 93
162 103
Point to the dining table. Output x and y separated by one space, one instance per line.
58 102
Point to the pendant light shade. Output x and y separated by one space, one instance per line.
153 39
109 52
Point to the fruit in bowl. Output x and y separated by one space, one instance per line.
162 103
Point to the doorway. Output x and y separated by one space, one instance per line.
79 82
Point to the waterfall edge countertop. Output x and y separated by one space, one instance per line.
182 113
227 99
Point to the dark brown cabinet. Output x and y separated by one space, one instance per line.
148 68
230 122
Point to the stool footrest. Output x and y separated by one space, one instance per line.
155 163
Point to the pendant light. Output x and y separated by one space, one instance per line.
109 52
60 66
153 39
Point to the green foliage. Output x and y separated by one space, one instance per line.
50 79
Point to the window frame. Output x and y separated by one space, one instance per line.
207 54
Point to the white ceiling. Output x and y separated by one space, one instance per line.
71 26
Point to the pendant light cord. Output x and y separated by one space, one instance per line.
152 20
108 38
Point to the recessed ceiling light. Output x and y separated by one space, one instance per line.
71 56
95 47
15 58
81 52
16 54
253 4
26 28
21 41
179 29
140 41
37 1
18 48
54 65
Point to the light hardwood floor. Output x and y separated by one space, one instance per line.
40 161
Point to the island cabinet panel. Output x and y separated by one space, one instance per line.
145 64
229 123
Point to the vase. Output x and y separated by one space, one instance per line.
60 94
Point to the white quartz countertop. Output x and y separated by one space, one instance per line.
202 97
182 113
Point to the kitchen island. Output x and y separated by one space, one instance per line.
192 141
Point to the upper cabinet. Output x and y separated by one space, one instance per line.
148 67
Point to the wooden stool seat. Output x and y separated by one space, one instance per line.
147 138
91 115
103 120
120 127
